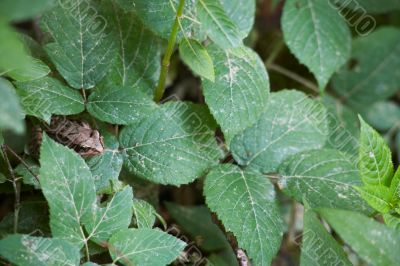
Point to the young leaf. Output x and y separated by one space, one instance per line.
325 178
138 62
317 35
82 48
242 13
107 166
375 162
174 145
37 251
378 197
372 77
291 123
395 187
11 113
113 217
146 247
69 189
245 203
159 16
195 55
47 96
239 94
374 242
220 28
119 105
144 214
392 221
316 239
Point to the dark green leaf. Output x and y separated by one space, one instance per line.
11 113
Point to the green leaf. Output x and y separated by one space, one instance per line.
195 55
324 178
197 222
11 113
144 214
107 166
36 71
344 131
392 221
315 237
370 77
111 218
27 176
46 96
127 5
159 16
174 145
19 10
82 49
37 251
245 203
119 105
378 197
317 35
69 189
138 62
375 162
239 94
145 247
217 24
395 187
290 124
367 6
242 13
372 241
383 115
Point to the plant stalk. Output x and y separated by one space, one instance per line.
168 53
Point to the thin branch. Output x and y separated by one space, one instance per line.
168 53
293 76
17 189
23 162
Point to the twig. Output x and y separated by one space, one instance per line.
17 189
275 53
168 53
293 76
23 162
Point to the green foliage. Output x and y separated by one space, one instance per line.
138 132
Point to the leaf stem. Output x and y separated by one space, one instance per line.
17 189
23 162
168 53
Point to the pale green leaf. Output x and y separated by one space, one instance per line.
46 96
119 105
198 223
315 237
317 35
106 167
82 48
138 61
376 243
159 16
239 94
19 10
111 218
373 74
242 13
245 203
195 55
37 70
217 24
69 189
375 161
11 112
392 221
37 251
365 7
144 214
174 145
291 123
145 247
378 197
395 187
324 178
383 115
